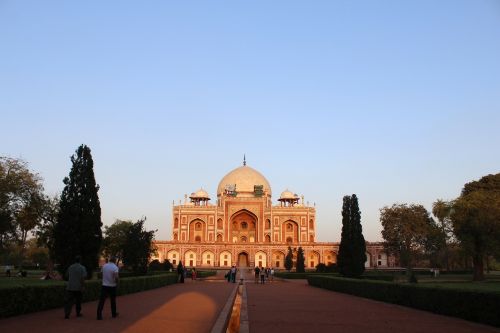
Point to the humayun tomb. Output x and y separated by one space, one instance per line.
245 228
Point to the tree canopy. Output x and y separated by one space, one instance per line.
78 227
405 231
300 265
352 250
115 239
289 260
138 247
476 220
21 203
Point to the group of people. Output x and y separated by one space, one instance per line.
77 273
231 274
264 274
182 272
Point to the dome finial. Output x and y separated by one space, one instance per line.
244 160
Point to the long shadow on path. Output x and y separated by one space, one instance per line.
189 307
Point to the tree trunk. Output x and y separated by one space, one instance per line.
477 261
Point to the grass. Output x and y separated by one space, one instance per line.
10 282
483 286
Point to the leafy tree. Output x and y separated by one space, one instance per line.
139 247
115 238
21 201
300 265
78 227
405 232
444 235
45 229
155 265
289 260
476 220
352 249
168 265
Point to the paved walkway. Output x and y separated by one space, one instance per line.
294 306
190 307
290 306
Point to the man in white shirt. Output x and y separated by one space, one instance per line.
109 282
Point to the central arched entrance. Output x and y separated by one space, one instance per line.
243 259
243 227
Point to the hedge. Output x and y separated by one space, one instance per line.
204 274
294 275
475 306
20 300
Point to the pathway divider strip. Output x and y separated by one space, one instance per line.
224 316
244 325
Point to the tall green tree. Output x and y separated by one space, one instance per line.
78 227
21 203
443 233
358 240
300 265
405 229
115 239
352 250
138 247
476 220
289 260
345 247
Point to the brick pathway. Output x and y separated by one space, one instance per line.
294 306
190 307
279 307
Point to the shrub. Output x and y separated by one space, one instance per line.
470 305
19 300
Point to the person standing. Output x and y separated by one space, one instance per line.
76 275
193 274
257 272
108 288
262 275
272 274
180 272
233 274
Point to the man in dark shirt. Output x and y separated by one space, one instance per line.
76 274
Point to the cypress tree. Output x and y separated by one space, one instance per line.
358 244
344 257
300 267
352 250
289 260
78 227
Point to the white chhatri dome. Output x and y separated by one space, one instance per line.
200 194
288 195
245 178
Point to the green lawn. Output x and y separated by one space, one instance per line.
484 286
9 282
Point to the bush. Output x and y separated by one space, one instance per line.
322 268
19 300
470 305
295 275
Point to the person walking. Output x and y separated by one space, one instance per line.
76 275
108 288
180 272
262 275
257 272
272 274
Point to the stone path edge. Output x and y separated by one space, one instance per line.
220 324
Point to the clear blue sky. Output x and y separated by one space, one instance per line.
396 101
